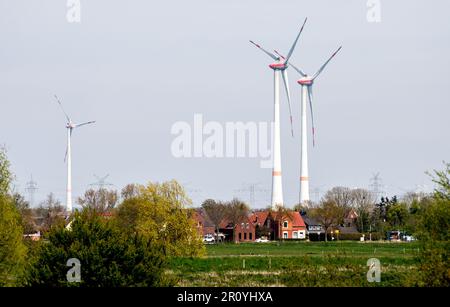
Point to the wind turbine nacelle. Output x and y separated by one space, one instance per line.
305 81
278 66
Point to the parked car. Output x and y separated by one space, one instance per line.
262 240
208 239
409 238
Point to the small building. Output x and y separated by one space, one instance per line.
349 225
291 226
244 231
203 223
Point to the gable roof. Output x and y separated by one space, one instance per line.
297 220
260 217
201 216
310 221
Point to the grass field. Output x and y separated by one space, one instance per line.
297 264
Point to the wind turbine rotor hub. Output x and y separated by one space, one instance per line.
305 81
278 66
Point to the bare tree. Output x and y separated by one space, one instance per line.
363 204
236 212
363 198
130 191
342 197
328 214
50 212
216 212
101 200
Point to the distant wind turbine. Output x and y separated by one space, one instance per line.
68 157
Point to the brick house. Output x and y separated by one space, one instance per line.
291 226
244 231
261 223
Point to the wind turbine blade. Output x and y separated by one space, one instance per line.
273 56
295 42
279 54
67 147
301 72
290 64
310 95
286 86
326 63
60 104
86 123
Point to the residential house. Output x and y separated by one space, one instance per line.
291 226
349 224
203 223
314 229
243 231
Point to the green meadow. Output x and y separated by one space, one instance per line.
297 264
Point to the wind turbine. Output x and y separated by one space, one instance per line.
279 67
306 83
68 157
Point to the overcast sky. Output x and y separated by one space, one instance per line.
139 66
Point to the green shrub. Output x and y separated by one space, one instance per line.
12 248
108 257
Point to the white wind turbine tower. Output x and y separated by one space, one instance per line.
307 83
68 157
279 67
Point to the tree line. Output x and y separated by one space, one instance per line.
127 238
119 241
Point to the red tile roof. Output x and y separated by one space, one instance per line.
297 220
260 217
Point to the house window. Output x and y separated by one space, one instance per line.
285 224
301 234
242 225
285 235
250 236
240 236
246 225
295 235
245 236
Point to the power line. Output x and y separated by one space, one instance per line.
376 186
252 189
101 182
31 188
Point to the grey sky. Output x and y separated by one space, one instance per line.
139 66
